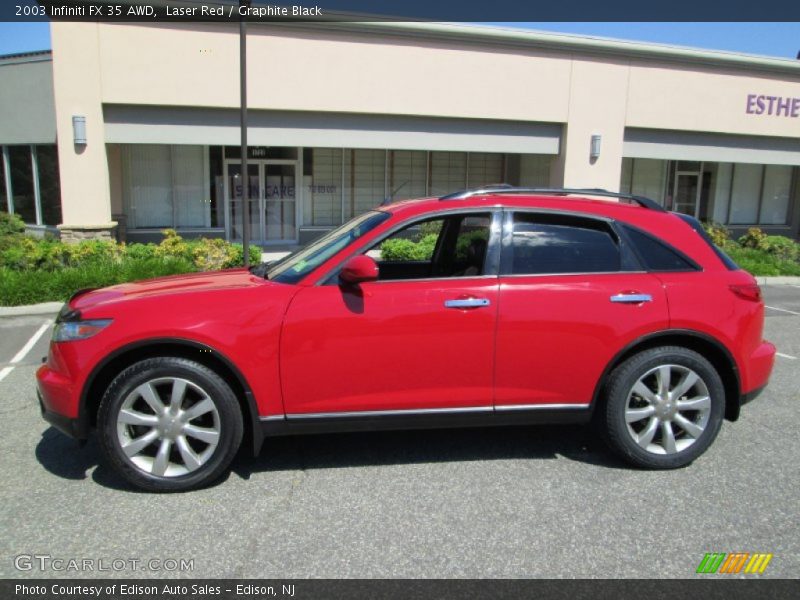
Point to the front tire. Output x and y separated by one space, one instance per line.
169 424
664 407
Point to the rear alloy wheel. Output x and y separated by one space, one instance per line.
664 407
169 424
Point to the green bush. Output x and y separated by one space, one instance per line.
758 262
33 286
718 233
782 247
754 238
11 224
400 249
38 270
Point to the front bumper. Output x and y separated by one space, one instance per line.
74 428
56 395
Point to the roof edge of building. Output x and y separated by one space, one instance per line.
574 42
24 57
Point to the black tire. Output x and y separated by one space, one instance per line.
226 418
620 437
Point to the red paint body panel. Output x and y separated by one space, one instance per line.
556 334
389 345
703 302
234 312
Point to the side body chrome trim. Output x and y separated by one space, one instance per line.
513 407
425 411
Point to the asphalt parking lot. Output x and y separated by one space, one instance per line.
519 502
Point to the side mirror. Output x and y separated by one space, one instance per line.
359 268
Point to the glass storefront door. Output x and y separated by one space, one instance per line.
273 201
687 192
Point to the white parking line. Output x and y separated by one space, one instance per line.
782 355
791 312
23 352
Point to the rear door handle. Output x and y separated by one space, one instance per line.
631 298
467 303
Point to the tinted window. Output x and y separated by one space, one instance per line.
657 256
555 244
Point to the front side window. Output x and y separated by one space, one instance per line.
448 246
549 244
294 267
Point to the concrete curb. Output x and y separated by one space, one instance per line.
45 308
49 308
778 280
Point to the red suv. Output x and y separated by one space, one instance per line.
499 306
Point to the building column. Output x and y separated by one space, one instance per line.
597 105
85 197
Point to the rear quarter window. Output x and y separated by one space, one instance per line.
657 255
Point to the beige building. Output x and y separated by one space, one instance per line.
126 129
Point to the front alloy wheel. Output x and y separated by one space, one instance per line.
169 424
663 408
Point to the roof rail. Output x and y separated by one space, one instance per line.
505 188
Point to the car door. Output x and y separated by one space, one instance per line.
572 295
419 338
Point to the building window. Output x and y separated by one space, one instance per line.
732 194
49 184
21 170
3 194
645 177
365 180
322 168
165 186
408 174
775 195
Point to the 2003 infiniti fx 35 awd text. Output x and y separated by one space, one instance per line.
496 306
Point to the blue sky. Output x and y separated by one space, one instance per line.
769 39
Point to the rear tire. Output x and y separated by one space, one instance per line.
663 408
169 425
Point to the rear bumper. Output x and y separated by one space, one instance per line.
759 368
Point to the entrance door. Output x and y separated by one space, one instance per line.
687 192
273 201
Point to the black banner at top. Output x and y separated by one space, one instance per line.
401 10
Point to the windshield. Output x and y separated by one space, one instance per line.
294 267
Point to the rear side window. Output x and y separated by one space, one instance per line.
550 244
656 255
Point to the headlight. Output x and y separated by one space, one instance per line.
69 331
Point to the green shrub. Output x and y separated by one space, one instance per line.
718 233
782 247
173 246
214 254
31 287
11 224
758 262
400 249
139 251
754 238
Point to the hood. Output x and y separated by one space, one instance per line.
164 286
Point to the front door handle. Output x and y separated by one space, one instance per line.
467 303
631 298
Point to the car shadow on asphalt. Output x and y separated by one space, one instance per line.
333 451
62 456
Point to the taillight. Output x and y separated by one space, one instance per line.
748 291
